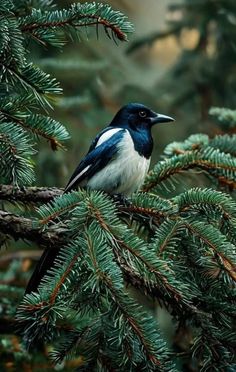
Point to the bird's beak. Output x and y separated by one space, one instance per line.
159 118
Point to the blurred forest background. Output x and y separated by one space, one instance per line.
177 62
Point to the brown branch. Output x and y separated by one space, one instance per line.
62 278
19 227
40 195
231 184
29 195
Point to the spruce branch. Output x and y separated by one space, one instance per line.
217 242
180 250
30 78
55 236
226 143
11 41
92 218
198 142
15 151
102 280
217 165
50 27
205 200
16 110
121 301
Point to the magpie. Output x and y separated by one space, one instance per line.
117 163
119 157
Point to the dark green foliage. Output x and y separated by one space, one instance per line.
52 27
195 230
213 156
15 166
174 244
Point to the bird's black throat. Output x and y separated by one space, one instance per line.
143 142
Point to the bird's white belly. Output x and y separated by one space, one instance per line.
125 173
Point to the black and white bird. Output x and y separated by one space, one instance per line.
119 157
117 163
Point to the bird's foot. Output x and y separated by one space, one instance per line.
121 199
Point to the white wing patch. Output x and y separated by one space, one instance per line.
78 176
104 137
108 134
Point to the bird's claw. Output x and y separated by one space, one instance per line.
121 199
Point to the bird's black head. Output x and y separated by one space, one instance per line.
136 115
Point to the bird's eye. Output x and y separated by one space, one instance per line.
142 114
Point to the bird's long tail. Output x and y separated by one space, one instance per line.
45 263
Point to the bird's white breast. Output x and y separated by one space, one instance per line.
123 174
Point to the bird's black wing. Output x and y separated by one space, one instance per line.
96 159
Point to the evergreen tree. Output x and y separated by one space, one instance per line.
178 250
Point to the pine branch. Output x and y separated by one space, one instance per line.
103 280
16 110
56 236
31 79
206 200
217 165
40 195
49 27
226 144
217 242
11 41
197 142
15 152
104 248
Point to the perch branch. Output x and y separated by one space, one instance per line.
24 228
28 195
